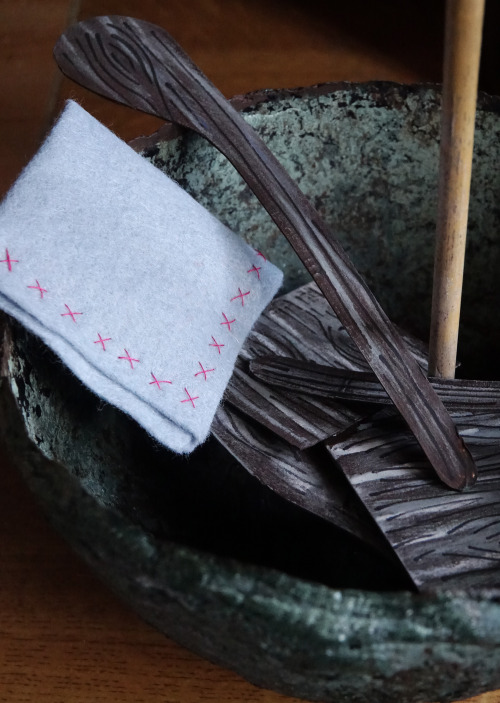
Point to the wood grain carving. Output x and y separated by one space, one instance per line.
302 325
442 538
358 386
301 419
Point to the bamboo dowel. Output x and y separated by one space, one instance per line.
464 23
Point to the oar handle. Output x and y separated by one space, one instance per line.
343 287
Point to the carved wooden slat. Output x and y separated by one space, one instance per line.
444 539
300 419
358 386
306 478
301 325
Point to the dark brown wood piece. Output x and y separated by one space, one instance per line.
443 539
139 64
306 478
305 377
302 324
300 419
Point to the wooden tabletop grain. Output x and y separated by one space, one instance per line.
64 638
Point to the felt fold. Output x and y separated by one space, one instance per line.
142 293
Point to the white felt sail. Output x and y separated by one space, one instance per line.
143 293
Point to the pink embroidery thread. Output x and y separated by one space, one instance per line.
190 399
227 322
216 344
157 382
203 371
39 287
255 269
128 358
8 260
259 253
242 296
101 341
70 313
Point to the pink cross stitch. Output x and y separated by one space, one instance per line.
241 295
8 260
216 344
190 399
157 382
227 322
128 358
255 269
101 341
39 288
203 371
70 313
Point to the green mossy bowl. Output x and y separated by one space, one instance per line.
197 546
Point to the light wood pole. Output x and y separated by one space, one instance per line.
464 23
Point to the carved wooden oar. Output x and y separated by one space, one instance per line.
140 65
316 379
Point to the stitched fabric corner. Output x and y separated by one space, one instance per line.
144 294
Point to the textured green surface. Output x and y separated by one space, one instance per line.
367 156
181 539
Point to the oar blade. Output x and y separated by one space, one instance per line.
107 55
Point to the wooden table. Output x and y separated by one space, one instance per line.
63 637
